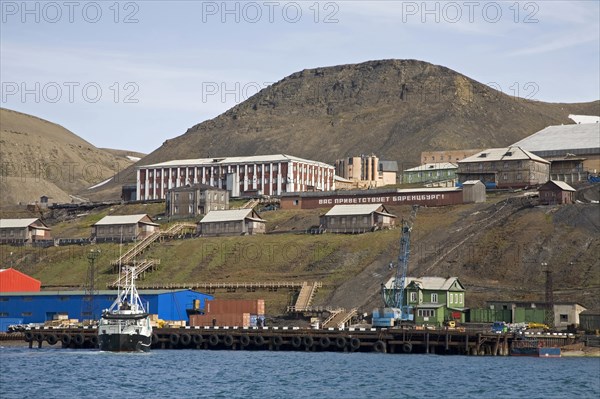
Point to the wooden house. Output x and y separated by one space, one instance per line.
357 218
23 231
231 222
124 228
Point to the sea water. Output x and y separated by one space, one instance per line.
76 373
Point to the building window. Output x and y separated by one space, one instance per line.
505 176
564 318
27 299
191 196
426 312
460 298
434 298
176 209
3 314
26 314
519 176
451 298
190 208
413 297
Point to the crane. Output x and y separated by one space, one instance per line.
394 311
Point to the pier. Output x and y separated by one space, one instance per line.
450 342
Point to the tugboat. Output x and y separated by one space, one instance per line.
125 326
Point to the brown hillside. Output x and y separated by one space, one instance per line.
394 108
42 158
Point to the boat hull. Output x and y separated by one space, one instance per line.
124 342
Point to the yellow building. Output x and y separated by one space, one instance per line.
367 171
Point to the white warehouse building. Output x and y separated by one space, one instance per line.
241 176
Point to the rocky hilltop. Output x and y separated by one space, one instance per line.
394 108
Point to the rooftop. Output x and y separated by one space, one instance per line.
512 153
433 166
234 160
123 219
564 138
231 215
561 184
362 209
427 283
18 223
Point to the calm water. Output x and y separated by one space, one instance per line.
64 373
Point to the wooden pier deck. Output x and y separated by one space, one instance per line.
451 342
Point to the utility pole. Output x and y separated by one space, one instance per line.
549 319
90 286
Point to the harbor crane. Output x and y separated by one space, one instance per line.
394 312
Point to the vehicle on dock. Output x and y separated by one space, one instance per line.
125 326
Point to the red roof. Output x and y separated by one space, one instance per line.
12 280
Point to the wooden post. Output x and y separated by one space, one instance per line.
447 343
427 343
467 343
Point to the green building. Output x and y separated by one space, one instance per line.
434 300
430 172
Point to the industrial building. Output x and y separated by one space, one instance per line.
367 171
430 172
231 222
565 313
511 167
39 307
385 196
434 299
125 228
12 280
23 231
357 218
191 201
241 176
556 192
573 150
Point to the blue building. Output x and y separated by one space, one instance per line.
39 307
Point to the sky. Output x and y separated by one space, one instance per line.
132 74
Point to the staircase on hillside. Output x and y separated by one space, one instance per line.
141 268
251 204
305 296
338 319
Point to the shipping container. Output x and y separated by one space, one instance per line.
220 306
222 319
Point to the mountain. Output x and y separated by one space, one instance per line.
39 157
394 108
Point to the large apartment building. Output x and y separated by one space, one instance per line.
505 167
241 176
367 171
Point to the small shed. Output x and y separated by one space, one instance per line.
23 231
231 222
124 228
357 218
473 191
555 192
12 280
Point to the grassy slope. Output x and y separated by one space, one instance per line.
503 245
